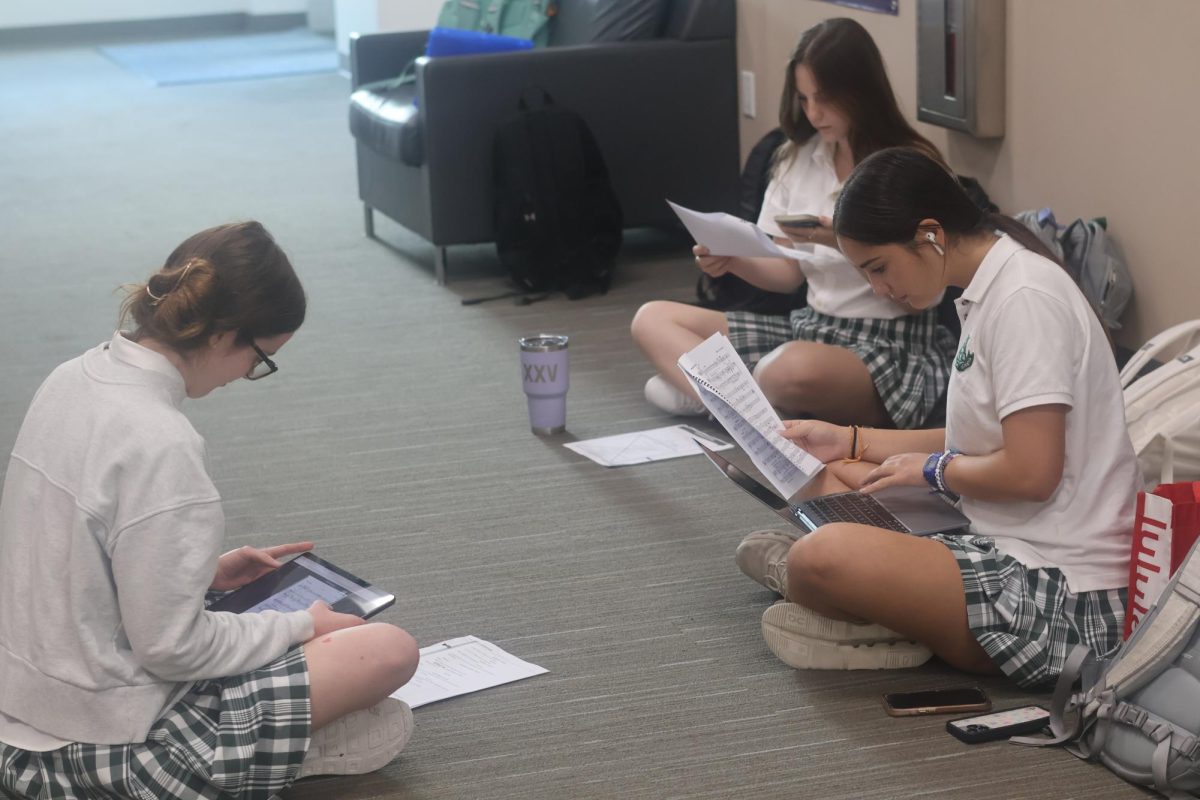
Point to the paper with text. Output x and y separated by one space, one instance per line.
730 392
656 444
726 235
461 666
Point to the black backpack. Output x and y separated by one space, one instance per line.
558 222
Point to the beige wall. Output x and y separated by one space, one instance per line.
1102 119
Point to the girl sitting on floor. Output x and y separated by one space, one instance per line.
1035 447
848 355
114 679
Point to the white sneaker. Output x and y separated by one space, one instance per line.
762 556
804 639
362 741
663 395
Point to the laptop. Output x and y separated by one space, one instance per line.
908 509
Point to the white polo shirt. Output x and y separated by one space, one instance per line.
1028 339
808 184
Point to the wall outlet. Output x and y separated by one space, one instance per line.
748 94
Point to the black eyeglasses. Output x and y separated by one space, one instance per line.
263 367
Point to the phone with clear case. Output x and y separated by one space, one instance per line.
999 724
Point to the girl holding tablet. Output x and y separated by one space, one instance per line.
848 355
114 678
1035 447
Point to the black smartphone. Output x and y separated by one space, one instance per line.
999 724
798 221
936 701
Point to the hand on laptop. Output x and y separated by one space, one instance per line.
238 567
905 469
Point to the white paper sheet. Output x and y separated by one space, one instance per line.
461 666
726 235
639 447
734 398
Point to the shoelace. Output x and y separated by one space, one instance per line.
776 577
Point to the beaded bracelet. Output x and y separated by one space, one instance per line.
940 472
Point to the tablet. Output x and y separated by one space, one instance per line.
302 581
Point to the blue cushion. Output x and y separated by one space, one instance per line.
455 42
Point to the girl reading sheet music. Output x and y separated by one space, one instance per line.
847 355
1035 449
114 679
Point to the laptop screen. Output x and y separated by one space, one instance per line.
745 481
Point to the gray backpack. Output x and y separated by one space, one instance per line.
1140 716
1090 257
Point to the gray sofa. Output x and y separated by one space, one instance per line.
663 109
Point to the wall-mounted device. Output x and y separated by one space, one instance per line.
960 65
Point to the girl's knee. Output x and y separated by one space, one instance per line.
784 382
649 319
816 560
396 651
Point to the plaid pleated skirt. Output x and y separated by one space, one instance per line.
908 358
241 737
1026 619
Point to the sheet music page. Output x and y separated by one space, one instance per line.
726 235
730 392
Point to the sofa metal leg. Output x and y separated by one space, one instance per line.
439 265
369 221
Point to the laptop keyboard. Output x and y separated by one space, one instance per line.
853 507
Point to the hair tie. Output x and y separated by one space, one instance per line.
157 298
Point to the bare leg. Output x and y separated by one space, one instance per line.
823 381
355 668
826 482
665 330
850 473
905 583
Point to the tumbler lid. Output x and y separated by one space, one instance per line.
543 342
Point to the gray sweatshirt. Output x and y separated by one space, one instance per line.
110 530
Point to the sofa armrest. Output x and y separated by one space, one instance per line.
379 56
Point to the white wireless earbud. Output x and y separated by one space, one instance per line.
932 239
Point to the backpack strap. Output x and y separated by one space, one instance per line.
1064 701
1189 747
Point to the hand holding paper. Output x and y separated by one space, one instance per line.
729 391
726 235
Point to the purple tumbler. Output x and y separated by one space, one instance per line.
544 376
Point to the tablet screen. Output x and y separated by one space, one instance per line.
302 581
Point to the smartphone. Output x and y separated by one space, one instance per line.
936 701
999 725
798 221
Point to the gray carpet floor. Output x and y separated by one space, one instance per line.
395 436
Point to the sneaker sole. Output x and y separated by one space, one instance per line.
799 620
388 727
802 652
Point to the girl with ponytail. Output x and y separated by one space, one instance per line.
115 680
1034 449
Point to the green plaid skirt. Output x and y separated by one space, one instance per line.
241 737
1026 619
908 357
